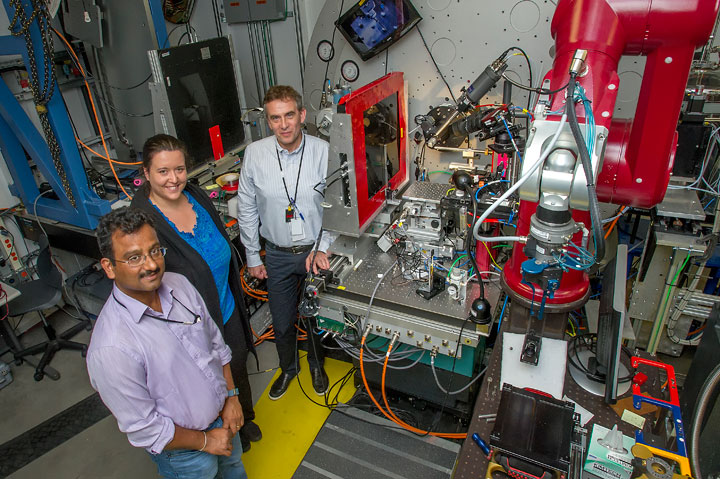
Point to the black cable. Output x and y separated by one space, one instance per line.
589 342
452 376
88 75
596 221
216 17
183 36
417 26
527 59
122 112
129 87
540 91
17 325
332 43
167 39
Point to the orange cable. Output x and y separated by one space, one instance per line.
401 422
612 225
94 110
103 157
398 422
246 287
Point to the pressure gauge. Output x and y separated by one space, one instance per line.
325 50
350 70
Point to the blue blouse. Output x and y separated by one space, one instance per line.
210 244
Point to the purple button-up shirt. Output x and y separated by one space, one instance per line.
153 374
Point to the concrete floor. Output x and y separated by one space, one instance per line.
100 450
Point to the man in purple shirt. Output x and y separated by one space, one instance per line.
159 361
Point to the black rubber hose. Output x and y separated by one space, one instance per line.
587 167
706 392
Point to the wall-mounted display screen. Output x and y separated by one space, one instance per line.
371 26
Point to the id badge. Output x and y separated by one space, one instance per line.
297 231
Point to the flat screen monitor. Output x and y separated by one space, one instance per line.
599 370
371 26
199 81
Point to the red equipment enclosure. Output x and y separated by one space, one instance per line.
356 103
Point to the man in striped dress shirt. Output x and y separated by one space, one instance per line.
279 198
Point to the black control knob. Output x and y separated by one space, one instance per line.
480 311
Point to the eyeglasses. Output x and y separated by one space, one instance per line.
139 259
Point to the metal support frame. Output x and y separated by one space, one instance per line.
20 140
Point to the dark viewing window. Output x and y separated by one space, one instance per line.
382 150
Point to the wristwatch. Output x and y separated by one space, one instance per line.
233 392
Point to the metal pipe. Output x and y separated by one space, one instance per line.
703 403
272 52
434 139
262 54
300 41
261 61
254 60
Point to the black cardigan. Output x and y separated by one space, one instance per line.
182 258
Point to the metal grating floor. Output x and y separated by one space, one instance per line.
355 445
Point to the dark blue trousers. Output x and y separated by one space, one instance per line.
286 272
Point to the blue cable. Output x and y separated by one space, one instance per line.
589 119
511 138
509 220
502 312
477 192
709 203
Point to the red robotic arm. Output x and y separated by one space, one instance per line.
640 152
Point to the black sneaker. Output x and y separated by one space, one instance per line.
251 432
320 380
280 386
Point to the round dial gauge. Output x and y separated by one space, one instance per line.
325 50
350 70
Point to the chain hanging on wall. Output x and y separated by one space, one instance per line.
20 26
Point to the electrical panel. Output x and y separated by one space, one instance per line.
243 11
83 19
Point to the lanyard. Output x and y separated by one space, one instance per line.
196 317
297 181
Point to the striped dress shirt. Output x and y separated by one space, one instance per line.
262 200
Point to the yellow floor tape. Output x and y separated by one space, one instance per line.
290 424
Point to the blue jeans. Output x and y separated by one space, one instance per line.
191 464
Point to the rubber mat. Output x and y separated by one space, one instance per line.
355 444
25 448
290 424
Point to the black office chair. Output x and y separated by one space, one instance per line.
38 295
